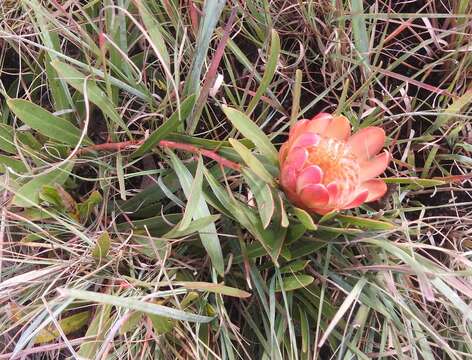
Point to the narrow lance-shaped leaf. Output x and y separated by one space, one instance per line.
264 197
252 131
271 238
6 139
96 331
58 88
134 304
195 226
251 161
68 325
347 303
369 224
193 197
76 79
214 288
294 282
9 162
46 123
208 234
28 194
305 218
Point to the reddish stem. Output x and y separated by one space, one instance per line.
208 153
165 144
194 19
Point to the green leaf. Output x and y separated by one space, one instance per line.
46 123
339 231
283 214
59 90
304 248
96 331
167 127
369 224
252 131
59 198
156 224
208 235
295 232
294 282
16 165
76 79
51 195
50 38
297 90
154 248
414 181
211 14
251 161
102 247
68 325
295 266
131 323
154 31
452 110
233 207
305 218
134 304
271 238
6 139
161 324
205 143
264 197
269 71
28 194
85 208
361 39
194 226
304 330
214 288
193 197
189 299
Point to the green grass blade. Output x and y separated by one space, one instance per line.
269 72
451 111
212 11
134 304
155 33
359 28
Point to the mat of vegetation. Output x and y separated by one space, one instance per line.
140 210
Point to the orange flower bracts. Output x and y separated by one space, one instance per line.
323 167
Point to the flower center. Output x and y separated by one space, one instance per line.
339 166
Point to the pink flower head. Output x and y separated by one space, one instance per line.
323 167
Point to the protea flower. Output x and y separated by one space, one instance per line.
323 167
